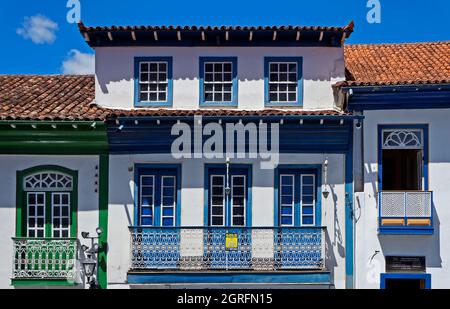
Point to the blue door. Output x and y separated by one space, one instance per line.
158 216
229 214
298 240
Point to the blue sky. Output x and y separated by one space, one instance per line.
57 47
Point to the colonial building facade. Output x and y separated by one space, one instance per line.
227 157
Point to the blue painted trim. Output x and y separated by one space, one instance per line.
299 61
140 166
398 97
406 230
230 277
298 169
248 210
234 99
410 230
349 221
169 102
384 276
150 137
423 127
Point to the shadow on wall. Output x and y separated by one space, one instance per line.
415 245
318 66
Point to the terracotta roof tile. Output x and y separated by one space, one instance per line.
48 97
63 97
397 64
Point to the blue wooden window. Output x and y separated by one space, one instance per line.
153 81
403 180
283 79
426 278
158 199
218 81
297 197
228 207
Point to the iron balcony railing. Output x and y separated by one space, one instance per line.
406 208
212 248
44 258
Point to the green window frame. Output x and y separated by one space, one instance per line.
49 193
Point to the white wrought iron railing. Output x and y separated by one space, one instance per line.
44 258
207 248
406 205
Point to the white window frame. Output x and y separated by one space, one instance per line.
389 131
36 217
153 199
308 205
214 83
287 82
244 186
157 82
211 200
174 205
285 205
60 217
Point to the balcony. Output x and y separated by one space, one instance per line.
205 249
44 259
408 212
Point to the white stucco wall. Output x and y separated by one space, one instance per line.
121 208
322 67
87 199
436 247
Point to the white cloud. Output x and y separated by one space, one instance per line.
39 29
78 63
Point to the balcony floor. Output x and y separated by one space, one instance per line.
178 278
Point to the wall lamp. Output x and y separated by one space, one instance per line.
90 262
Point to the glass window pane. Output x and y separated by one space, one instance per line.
153 67
308 220
227 67
286 210
147 221
217 211
167 222
144 67
162 97
286 220
307 210
208 67
307 190
146 211
217 221
238 221
168 211
287 199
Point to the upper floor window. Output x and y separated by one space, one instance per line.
158 195
298 197
218 81
47 199
283 81
153 81
402 158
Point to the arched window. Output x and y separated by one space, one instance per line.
47 197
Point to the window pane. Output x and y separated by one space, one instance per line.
286 220
238 221
217 221
308 220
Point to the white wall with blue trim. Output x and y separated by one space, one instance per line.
122 210
371 246
322 67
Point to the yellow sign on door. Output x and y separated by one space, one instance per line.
231 241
